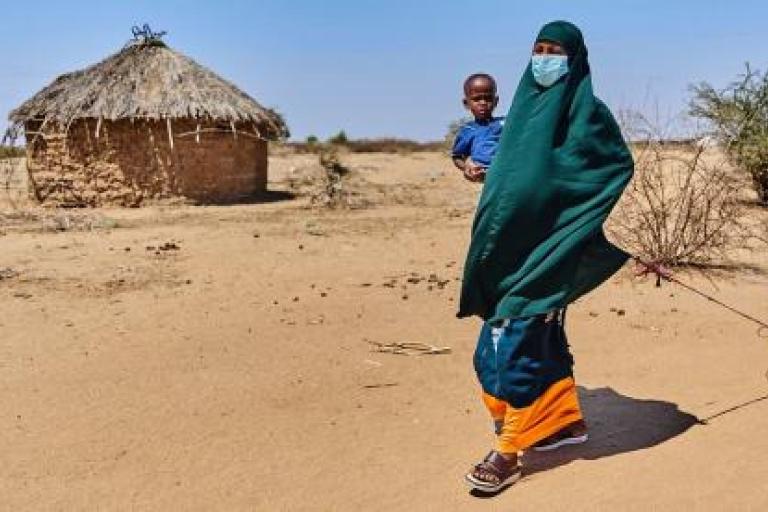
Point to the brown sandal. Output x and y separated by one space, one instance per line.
493 474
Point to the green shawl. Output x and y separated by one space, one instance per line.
562 163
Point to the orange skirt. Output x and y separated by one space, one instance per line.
520 428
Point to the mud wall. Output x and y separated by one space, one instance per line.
127 163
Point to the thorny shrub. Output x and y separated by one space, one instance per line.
684 206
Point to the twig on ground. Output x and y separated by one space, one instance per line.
384 385
7 273
408 348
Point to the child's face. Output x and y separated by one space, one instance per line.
480 98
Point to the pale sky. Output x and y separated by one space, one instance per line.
393 68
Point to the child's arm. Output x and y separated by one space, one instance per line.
462 148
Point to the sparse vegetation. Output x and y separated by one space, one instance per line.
330 191
12 151
684 206
339 138
381 145
739 118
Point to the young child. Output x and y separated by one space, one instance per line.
476 142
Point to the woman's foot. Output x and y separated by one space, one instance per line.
496 472
575 433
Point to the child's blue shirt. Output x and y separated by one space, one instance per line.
478 140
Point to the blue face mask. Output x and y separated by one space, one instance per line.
547 69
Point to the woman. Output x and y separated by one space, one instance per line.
537 245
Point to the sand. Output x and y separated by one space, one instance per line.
218 358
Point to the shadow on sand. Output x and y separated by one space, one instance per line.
617 424
266 196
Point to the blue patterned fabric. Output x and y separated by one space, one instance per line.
517 360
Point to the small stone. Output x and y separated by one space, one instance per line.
621 312
593 314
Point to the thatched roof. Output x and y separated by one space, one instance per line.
147 80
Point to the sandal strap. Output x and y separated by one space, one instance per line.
497 465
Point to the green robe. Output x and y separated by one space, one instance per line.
562 163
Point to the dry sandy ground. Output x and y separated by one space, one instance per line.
217 358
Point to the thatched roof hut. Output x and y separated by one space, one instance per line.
146 122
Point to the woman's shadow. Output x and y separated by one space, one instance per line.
617 424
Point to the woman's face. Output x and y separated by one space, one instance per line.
548 48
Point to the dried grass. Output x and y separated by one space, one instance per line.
146 81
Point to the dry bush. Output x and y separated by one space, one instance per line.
330 188
684 206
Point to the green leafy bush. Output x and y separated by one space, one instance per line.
739 117
339 138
